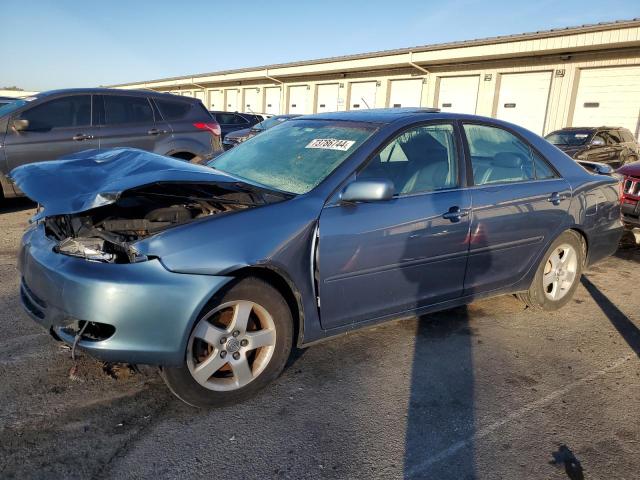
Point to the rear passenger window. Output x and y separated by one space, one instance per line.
124 109
422 159
72 111
498 156
172 110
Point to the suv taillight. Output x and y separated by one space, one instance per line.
213 127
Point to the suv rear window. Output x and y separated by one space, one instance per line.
230 119
125 109
173 110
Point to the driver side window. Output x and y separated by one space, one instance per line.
72 111
422 159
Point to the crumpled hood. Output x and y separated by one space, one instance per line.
94 178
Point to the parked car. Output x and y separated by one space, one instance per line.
232 121
239 136
614 146
5 100
328 223
52 124
631 194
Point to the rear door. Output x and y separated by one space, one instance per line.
57 127
129 121
519 204
384 258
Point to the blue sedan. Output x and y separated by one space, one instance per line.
322 225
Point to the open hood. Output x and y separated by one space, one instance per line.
95 178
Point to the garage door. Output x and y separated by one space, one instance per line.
251 101
232 100
216 100
405 93
363 95
458 94
523 99
199 94
187 93
298 99
609 96
272 100
328 98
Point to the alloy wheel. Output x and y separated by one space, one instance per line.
560 272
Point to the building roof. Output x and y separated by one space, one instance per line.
555 32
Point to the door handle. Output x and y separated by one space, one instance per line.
155 131
556 198
78 137
455 214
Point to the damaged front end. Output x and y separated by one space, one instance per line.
108 233
97 205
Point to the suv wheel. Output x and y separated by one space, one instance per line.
240 343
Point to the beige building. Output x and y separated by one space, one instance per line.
582 76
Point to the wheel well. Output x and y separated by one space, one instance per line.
583 241
280 283
183 155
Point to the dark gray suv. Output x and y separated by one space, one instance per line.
53 124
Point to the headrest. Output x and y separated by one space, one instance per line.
507 160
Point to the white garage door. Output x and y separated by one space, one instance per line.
363 95
251 101
458 94
216 100
328 98
609 96
523 99
199 94
298 99
405 93
272 100
187 93
232 100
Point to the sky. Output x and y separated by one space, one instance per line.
70 43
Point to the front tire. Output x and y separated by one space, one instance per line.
558 274
240 343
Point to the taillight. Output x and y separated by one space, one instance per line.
213 127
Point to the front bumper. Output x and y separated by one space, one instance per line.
151 308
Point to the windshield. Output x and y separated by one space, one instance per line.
295 156
572 138
12 106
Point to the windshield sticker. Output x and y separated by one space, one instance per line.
330 144
581 135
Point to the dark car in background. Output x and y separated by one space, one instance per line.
614 146
325 224
232 121
53 124
240 136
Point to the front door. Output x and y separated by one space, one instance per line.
519 205
58 127
388 257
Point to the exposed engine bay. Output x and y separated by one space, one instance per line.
106 234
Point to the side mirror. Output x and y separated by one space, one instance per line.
597 142
367 191
20 124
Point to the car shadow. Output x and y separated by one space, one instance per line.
625 327
11 205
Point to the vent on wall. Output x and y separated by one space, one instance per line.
447 105
591 104
509 105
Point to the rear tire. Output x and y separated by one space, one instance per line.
558 274
240 343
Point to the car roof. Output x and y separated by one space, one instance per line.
570 129
118 91
374 115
